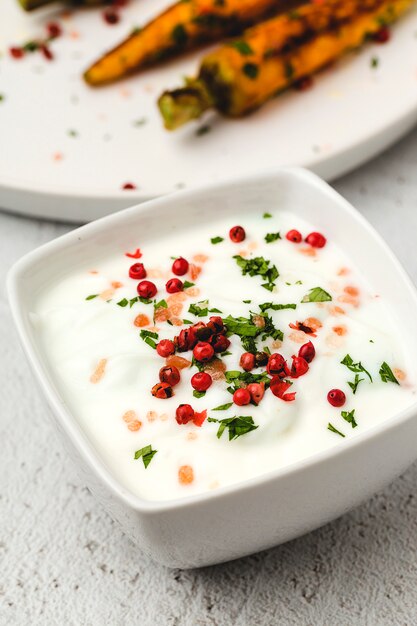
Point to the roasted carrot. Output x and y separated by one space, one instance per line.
270 57
184 26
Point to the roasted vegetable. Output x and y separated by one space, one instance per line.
30 5
270 57
183 26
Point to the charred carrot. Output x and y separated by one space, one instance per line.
184 26
270 57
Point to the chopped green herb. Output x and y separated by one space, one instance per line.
203 130
162 304
334 430
133 301
146 453
241 46
145 300
238 379
387 374
355 367
237 426
248 331
148 337
270 237
215 311
93 295
123 302
72 133
289 70
223 407
251 70
266 216
276 307
317 294
187 322
259 267
246 301
187 284
354 384
140 122
374 62
349 416
179 35
200 309
198 394
215 240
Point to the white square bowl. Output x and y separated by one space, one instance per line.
265 511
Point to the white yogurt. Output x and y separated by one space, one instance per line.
79 336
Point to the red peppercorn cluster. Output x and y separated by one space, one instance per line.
53 30
315 240
204 340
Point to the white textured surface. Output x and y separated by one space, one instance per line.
63 560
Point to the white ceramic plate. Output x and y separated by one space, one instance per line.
354 111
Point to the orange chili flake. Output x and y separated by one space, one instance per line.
216 369
399 374
340 330
178 361
135 425
141 320
186 474
134 255
336 310
193 292
129 416
349 300
195 271
352 291
98 373
308 251
343 271
116 285
200 258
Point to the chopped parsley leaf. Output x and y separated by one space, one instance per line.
93 295
179 35
187 284
215 240
148 337
355 367
237 426
200 309
238 379
146 453
349 417
198 394
270 237
223 407
123 302
334 430
162 304
354 384
276 307
251 70
241 46
387 374
266 216
317 294
259 267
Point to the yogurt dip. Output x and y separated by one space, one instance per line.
296 352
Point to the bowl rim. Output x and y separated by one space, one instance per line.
66 417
